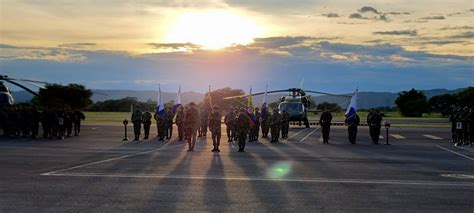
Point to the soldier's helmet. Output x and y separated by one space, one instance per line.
192 103
215 107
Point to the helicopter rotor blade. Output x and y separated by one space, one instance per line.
255 94
33 84
325 93
21 86
27 80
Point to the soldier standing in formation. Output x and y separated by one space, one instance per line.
215 127
61 125
253 118
204 122
462 126
274 122
35 120
374 120
256 128
146 120
160 125
180 122
192 123
325 122
137 122
264 117
69 118
169 123
24 121
242 126
229 122
352 123
78 117
285 124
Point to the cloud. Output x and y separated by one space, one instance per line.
465 35
174 46
380 16
332 15
367 9
78 45
356 16
397 32
343 65
442 42
398 13
434 18
457 28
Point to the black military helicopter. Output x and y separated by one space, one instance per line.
296 103
6 98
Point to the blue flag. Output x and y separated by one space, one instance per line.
160 106
352 108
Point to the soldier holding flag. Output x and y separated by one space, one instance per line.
352 119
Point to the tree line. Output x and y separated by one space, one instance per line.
410 103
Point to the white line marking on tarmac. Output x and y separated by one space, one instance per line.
108 160
456 153
398 136
240 178
294 135
433 137
381 137
309 134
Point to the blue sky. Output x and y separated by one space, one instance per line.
335 46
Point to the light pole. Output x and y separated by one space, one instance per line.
387 126
125 123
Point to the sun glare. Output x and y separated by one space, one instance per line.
213 29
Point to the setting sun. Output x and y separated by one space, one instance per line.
213 29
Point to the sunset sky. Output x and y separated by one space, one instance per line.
334 45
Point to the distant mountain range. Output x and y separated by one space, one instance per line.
366 99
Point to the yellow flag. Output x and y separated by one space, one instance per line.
250 99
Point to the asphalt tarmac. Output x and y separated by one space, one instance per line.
96 172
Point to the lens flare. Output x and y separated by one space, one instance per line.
279 170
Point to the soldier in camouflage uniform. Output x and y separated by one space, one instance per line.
274 122
229 122
242 126
160 125
264 117
215 127
204 122
137 122
285 124
256 128
146 120
192 123
169 123
180 122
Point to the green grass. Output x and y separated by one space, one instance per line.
107 116
97 117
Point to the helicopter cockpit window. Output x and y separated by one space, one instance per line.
291 107
3 88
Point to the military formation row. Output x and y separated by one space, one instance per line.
462 126
191 122
24 121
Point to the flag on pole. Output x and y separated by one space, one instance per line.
352 108
250 99
177 100
264 102
160 106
